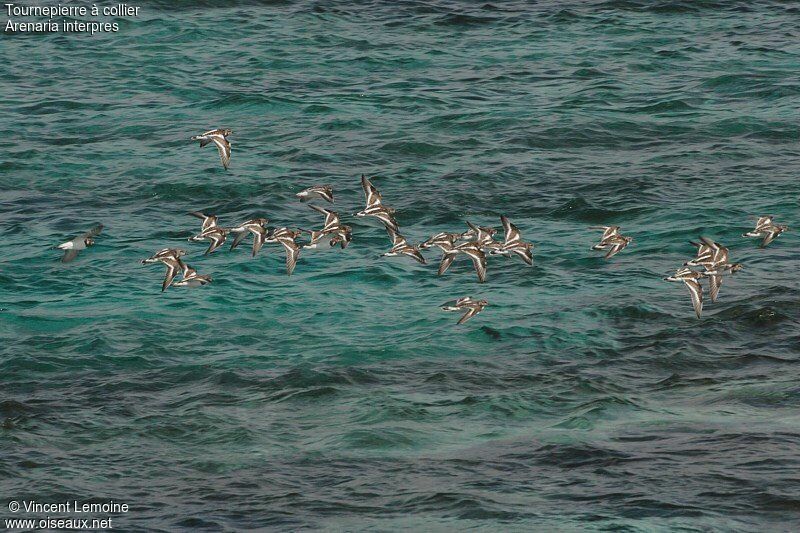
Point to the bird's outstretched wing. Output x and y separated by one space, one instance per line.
69 255
224 148
696 291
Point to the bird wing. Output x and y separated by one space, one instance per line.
240 235
608 231
479 260
292 253
696 291
447 260
708 242
224 148
69 255
188 273
331 217
93 232
209 221
217 239
763 222
172 270
615 248
372 194
512 234
398 241
416 254
387 219
471 312
258 240
714 284
769 237
526 255
451 303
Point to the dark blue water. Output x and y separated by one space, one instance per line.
586 396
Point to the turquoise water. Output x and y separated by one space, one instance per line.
585 397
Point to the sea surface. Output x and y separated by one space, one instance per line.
585 397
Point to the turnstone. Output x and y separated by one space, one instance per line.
608 231
611 240
767 229
81 242
191 278
691 279
513 243
472 307
384 214
400 246
341 234
442 239
481 234
319 191
713 257
473 250
375 207
255 226
373 196
216 235
286 238
209 221
220 138
171 258
331 218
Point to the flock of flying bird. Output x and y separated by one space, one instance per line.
476 242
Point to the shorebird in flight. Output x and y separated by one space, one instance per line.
472 307
374 206
216 235
342 234
612 241
766 228
691 279
257 227
513 243
471 249
713 257
220 139
191 278
81 242
209 221
171 258
400 246
286 237
442 240
484 236
317 191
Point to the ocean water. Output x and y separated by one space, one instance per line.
586 396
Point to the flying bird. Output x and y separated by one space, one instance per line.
472 307
374 206
612 242
471 249
191 278
257 227
171 258
220 139
513 243
766 228
286 237
691 279
317 191
400 246
81 242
